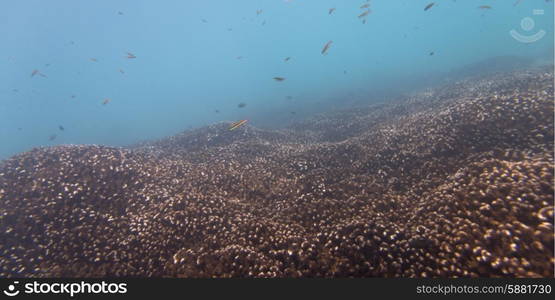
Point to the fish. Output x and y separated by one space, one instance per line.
287 58
204 21
237 124
363 21
52 137
72 96
120 13
429 6
484 7
61 127
279 78
106 101
364 14
258 11
331 10
35 72
216 111
239 57
326 47
130 55
241 105
365 6
94 59
121 71
431 53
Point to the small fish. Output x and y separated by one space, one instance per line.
239 57
106 101
216 111
484 7
264 23
429 6
365 6
204 21
431 53
72 96
130 55
331 10
279 78
61 127
52 137
293 113
237 124
121 71
35 72
287 58
241 105
120 13
258 11
364 14
326 47
94 59
363 21
15 90
19 128
289 97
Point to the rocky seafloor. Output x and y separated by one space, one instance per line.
454 181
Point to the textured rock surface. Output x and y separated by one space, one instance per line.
453 181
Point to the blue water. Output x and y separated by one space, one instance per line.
186 68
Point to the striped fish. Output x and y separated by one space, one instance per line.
237 124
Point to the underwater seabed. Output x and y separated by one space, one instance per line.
455 181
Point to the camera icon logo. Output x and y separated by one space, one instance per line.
527 24
11 290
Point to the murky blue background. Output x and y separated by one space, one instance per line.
186 68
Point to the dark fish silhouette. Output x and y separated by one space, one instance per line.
61 128
279 78
326 47
52 137
130 55
429 6
331 10
364 14
287 58
241 105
